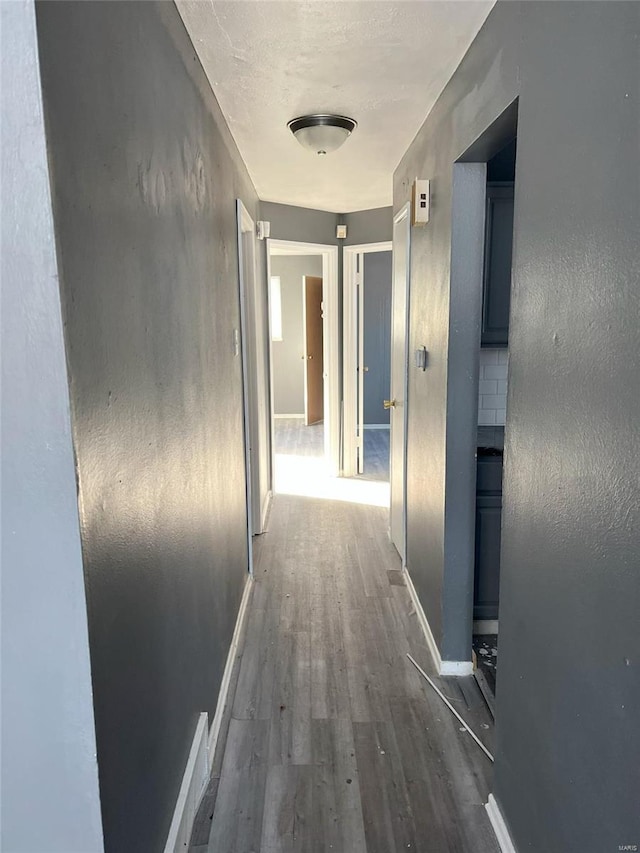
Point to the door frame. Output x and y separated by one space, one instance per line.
330 331
402 216
352 278
254 380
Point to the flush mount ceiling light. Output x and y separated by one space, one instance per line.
322 133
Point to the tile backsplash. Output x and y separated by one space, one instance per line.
492 399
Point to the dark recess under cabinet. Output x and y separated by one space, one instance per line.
496 290
488 525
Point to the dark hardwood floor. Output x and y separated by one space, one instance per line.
331 739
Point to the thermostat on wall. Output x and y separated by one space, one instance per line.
263 229
420 202
421 358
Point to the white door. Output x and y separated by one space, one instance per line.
360 368
253 305
399 379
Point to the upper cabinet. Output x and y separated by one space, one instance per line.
496 292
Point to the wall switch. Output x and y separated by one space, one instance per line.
236 342
420 202
341 232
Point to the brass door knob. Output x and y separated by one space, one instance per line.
389 404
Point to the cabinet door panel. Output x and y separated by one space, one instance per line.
487 568
496 296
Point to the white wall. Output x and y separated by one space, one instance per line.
492 389
50 797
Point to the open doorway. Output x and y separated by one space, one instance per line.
368 283
494 159
297 346
304 363
492 407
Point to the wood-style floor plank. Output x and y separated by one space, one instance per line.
334 741
236 826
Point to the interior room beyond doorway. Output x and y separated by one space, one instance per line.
367 271
303 338
297 338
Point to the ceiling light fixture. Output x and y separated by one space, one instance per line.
322 133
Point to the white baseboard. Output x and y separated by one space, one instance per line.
499 826
377 426
446 667
288 416
226 676
456 667
266 508
485 626
424 623
194 781
198 769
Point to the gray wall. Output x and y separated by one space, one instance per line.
50 797
319 226
145 180
567 771
288 366
368 226
377 335
301 224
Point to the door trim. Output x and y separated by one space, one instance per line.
402 215
350 278
242 216
330 331
254 350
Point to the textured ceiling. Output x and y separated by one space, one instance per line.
382 63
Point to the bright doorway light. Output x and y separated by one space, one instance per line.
276 309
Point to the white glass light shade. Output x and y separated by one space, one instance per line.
322 134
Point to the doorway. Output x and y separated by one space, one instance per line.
484 183
367 298
305 411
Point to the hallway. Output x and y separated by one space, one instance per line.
177 643
334 742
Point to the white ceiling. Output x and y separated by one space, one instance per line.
384 64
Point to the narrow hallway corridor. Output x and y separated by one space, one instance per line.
333 741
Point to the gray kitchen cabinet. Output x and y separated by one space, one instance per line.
496 291
488 532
